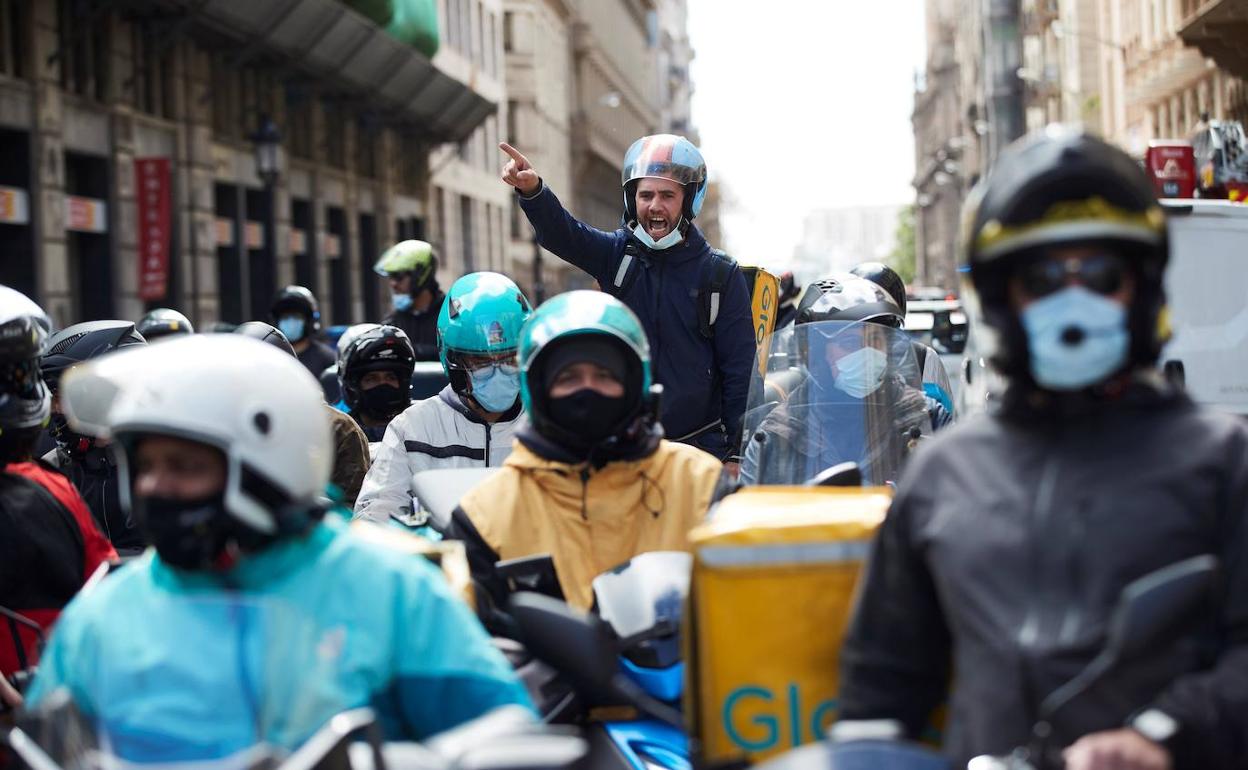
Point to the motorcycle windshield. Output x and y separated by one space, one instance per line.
834 392
247 680
646 594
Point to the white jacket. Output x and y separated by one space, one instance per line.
438 432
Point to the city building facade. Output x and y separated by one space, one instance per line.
839 238
201 155
1130 70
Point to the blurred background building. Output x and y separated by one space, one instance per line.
1130 70
837 239
199 154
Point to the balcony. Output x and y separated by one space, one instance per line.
1219 29
342 51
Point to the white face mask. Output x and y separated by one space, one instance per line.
666 242
862 372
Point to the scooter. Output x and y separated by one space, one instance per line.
1151 610
627 654
57 737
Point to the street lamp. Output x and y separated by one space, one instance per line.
268 141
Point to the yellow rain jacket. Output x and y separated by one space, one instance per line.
589 520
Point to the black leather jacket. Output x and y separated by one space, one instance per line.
1005 550
94 474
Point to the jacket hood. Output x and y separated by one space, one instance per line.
628 484
644 446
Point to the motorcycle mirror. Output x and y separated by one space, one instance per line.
439 491
1151 611
1154 608
570 640
846 474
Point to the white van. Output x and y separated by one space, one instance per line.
1207 292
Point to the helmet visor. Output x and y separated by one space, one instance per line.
661 158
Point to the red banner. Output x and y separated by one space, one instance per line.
154 203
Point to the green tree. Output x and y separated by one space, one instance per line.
902 259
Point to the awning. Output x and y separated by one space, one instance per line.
345 51
1220 30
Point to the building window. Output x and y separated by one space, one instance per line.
509 31
367 137
13 38
298 129
152 77
412 158
83 48
335 135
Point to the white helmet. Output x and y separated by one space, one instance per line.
258 405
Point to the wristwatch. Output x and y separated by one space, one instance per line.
1155 725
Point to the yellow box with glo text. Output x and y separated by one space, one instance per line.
774 577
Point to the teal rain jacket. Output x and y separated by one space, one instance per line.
176 666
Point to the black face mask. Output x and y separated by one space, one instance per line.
588 415
383 402
188 534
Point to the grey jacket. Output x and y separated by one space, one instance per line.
1005 550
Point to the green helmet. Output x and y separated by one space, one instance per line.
415 257
569 315
482 315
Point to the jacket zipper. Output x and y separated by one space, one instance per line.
658 308
584 492
488 429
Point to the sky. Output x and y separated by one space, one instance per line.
801 105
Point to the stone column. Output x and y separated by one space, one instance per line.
48 178
196 189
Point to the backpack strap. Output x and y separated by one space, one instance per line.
711 292
626 273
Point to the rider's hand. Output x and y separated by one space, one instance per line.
519 173
9 696
1122 749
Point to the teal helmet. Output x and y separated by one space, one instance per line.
574 314
482 315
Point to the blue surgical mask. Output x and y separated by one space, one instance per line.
292 326
1076 338
666 242
495 387
860 373
401 302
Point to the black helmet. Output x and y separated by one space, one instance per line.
846 297
25 402
259 330
71 346
301 300
1064 187
887 278
163 322
380 349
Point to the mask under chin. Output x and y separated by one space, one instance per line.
673 238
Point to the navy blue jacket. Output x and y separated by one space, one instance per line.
704 380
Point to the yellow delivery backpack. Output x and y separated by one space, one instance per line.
773 582
764 291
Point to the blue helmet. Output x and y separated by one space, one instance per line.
664 156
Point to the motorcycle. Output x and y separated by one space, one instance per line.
628 653
287 693
634 633
1151 610
834 392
